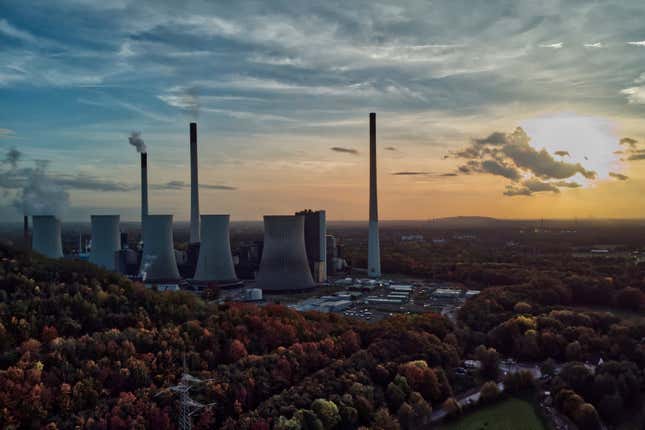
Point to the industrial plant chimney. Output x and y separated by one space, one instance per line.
144 186
284 265
194 186
25 231
158 262
373 246
106 240
215 263
46 236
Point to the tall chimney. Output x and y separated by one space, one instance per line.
25 230
194 186
373 246
144 187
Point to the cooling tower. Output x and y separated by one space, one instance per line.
106 240
215 261
144 186
284 265
158 261
46 236
373 246
194 186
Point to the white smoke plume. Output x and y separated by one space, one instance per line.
136 141
40 195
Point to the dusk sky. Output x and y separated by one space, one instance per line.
511 109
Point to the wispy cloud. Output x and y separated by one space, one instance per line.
618 176
594 45
639 43
181 185
5 132
344 150
9 30
557 45
410 173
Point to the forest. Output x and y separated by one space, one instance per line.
84 348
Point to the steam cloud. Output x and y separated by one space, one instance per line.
37 192
136 141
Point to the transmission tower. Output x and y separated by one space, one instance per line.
187 406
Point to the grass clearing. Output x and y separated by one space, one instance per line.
510 414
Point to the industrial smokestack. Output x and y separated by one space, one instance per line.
106 240
158 262
144 186
215 259
284 265
47 236
25 230
194 186
373 246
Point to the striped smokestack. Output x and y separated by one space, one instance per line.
373 246
194 186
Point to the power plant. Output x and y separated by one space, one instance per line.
373 245
215 263
316 243
158 262
106 240
294 256
46 236
284 265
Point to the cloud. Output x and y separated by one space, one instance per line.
90 183
410 173
531 186
562 153
9 30
594 45
511 156
181 185
5 133
344 150
496 138
637 155
635 95
390 148
557 45
629 142
639 43
497 168
618 176
540 163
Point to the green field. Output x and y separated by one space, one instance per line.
511 414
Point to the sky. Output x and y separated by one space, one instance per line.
509 109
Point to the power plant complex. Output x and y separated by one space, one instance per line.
296 254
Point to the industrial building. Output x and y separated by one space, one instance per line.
316 243
215 263
106 240
158 262
284 265
46 236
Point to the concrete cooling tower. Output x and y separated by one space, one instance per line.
106 240
284 265
46 236
215 261
158 262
